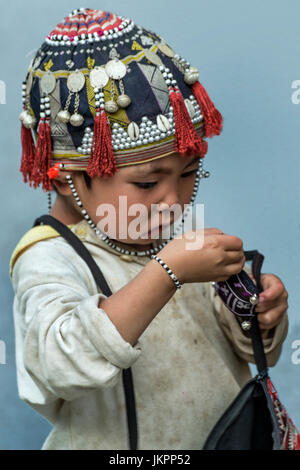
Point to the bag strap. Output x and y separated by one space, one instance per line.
81 249
257 343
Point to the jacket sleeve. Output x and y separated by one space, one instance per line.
241 343
69 345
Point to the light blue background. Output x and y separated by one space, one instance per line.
248 54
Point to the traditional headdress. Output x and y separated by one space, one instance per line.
103 93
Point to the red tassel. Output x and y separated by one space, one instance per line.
28 153
186 138
213 120
102 160
42 162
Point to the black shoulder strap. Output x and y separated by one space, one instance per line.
257 343
80 248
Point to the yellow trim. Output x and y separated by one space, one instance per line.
63 73
34 235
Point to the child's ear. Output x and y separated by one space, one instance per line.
60 182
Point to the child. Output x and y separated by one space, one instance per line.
116 113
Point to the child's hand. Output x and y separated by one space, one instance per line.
272 309
219 257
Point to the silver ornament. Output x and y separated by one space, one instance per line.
133 131
29 121
48 83
246 325
191 76
76 120
99 77
254 299
64 116
115 69
23 115
123 101
111 107
76 82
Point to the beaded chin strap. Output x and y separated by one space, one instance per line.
201 173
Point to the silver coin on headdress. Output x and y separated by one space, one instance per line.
116 69
99 77
76 81
48 83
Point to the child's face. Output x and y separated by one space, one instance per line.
173 184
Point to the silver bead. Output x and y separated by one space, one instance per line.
123 101
246 325
64 116
254 299
191 76
29 121
76 120
23 115
111 107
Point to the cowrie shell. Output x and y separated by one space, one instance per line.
190 108
133 131
163 123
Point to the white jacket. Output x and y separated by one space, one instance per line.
187 366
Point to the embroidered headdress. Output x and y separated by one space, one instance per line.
102 93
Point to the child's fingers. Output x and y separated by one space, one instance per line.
271 318
273 288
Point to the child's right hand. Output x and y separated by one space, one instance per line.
219 257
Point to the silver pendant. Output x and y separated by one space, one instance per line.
76 120
76 81
166 49
29 121
191 76
64 116
115 69
48 83
99 77
123 101
152 57
111 107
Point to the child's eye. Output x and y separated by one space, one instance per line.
185 175
151 185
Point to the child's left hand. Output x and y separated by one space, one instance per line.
274 305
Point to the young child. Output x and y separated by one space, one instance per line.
116 112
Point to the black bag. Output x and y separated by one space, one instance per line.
255 420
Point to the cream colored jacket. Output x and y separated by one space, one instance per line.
188 365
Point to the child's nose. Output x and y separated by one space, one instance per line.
171 197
